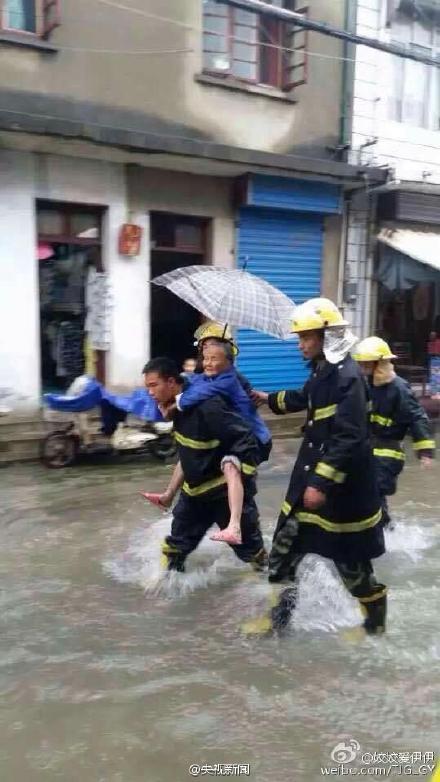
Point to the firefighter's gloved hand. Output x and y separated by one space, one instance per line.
313 498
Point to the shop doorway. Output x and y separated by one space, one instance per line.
176 241
69 260
407 319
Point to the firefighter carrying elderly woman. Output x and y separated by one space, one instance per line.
333 506
221 440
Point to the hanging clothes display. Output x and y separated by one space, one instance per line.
99 302
62 280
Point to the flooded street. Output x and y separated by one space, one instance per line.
110 674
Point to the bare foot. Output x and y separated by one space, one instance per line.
231 536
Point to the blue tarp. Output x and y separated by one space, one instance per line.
139 403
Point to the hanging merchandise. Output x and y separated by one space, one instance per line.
69 350
89 359
421 301
99 302
47 283
44 251
434 376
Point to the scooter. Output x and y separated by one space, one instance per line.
90 421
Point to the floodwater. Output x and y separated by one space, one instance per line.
111 673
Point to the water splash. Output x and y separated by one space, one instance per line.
140 564
410 539
323 601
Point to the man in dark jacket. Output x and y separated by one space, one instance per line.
395 412
209 436
332 507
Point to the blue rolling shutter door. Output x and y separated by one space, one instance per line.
285 249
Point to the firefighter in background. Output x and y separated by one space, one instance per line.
395 412
332 507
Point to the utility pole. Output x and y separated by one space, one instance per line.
299 20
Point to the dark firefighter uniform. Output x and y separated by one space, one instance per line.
205 435
335 457
395 412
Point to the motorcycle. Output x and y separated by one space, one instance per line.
91 421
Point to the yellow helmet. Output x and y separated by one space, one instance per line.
210 329
317 314
373 349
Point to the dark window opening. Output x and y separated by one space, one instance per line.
176 241
69 262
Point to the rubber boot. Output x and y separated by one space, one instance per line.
262 625
375 616
387 522
279 562
282 612
260 561
172 558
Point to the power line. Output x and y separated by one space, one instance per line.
124 52
200 30
147 14
301 21
405 53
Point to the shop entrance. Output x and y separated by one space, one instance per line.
176 241
69 259
407 319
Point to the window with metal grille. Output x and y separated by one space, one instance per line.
253 48
34 17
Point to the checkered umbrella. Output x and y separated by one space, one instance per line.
232 296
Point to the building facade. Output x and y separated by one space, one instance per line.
392 111
214 131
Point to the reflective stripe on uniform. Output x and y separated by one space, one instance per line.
379 419
286 508
203 487
281 401
424 445
169 548
199 445
373 598
247 469
389 453
326 471
333 526
436 775
324 412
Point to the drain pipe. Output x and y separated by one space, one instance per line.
345 124
368 326
342 255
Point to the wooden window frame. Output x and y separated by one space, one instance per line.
47 17
280 38
67 210
176 219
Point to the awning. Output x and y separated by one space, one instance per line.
422 246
